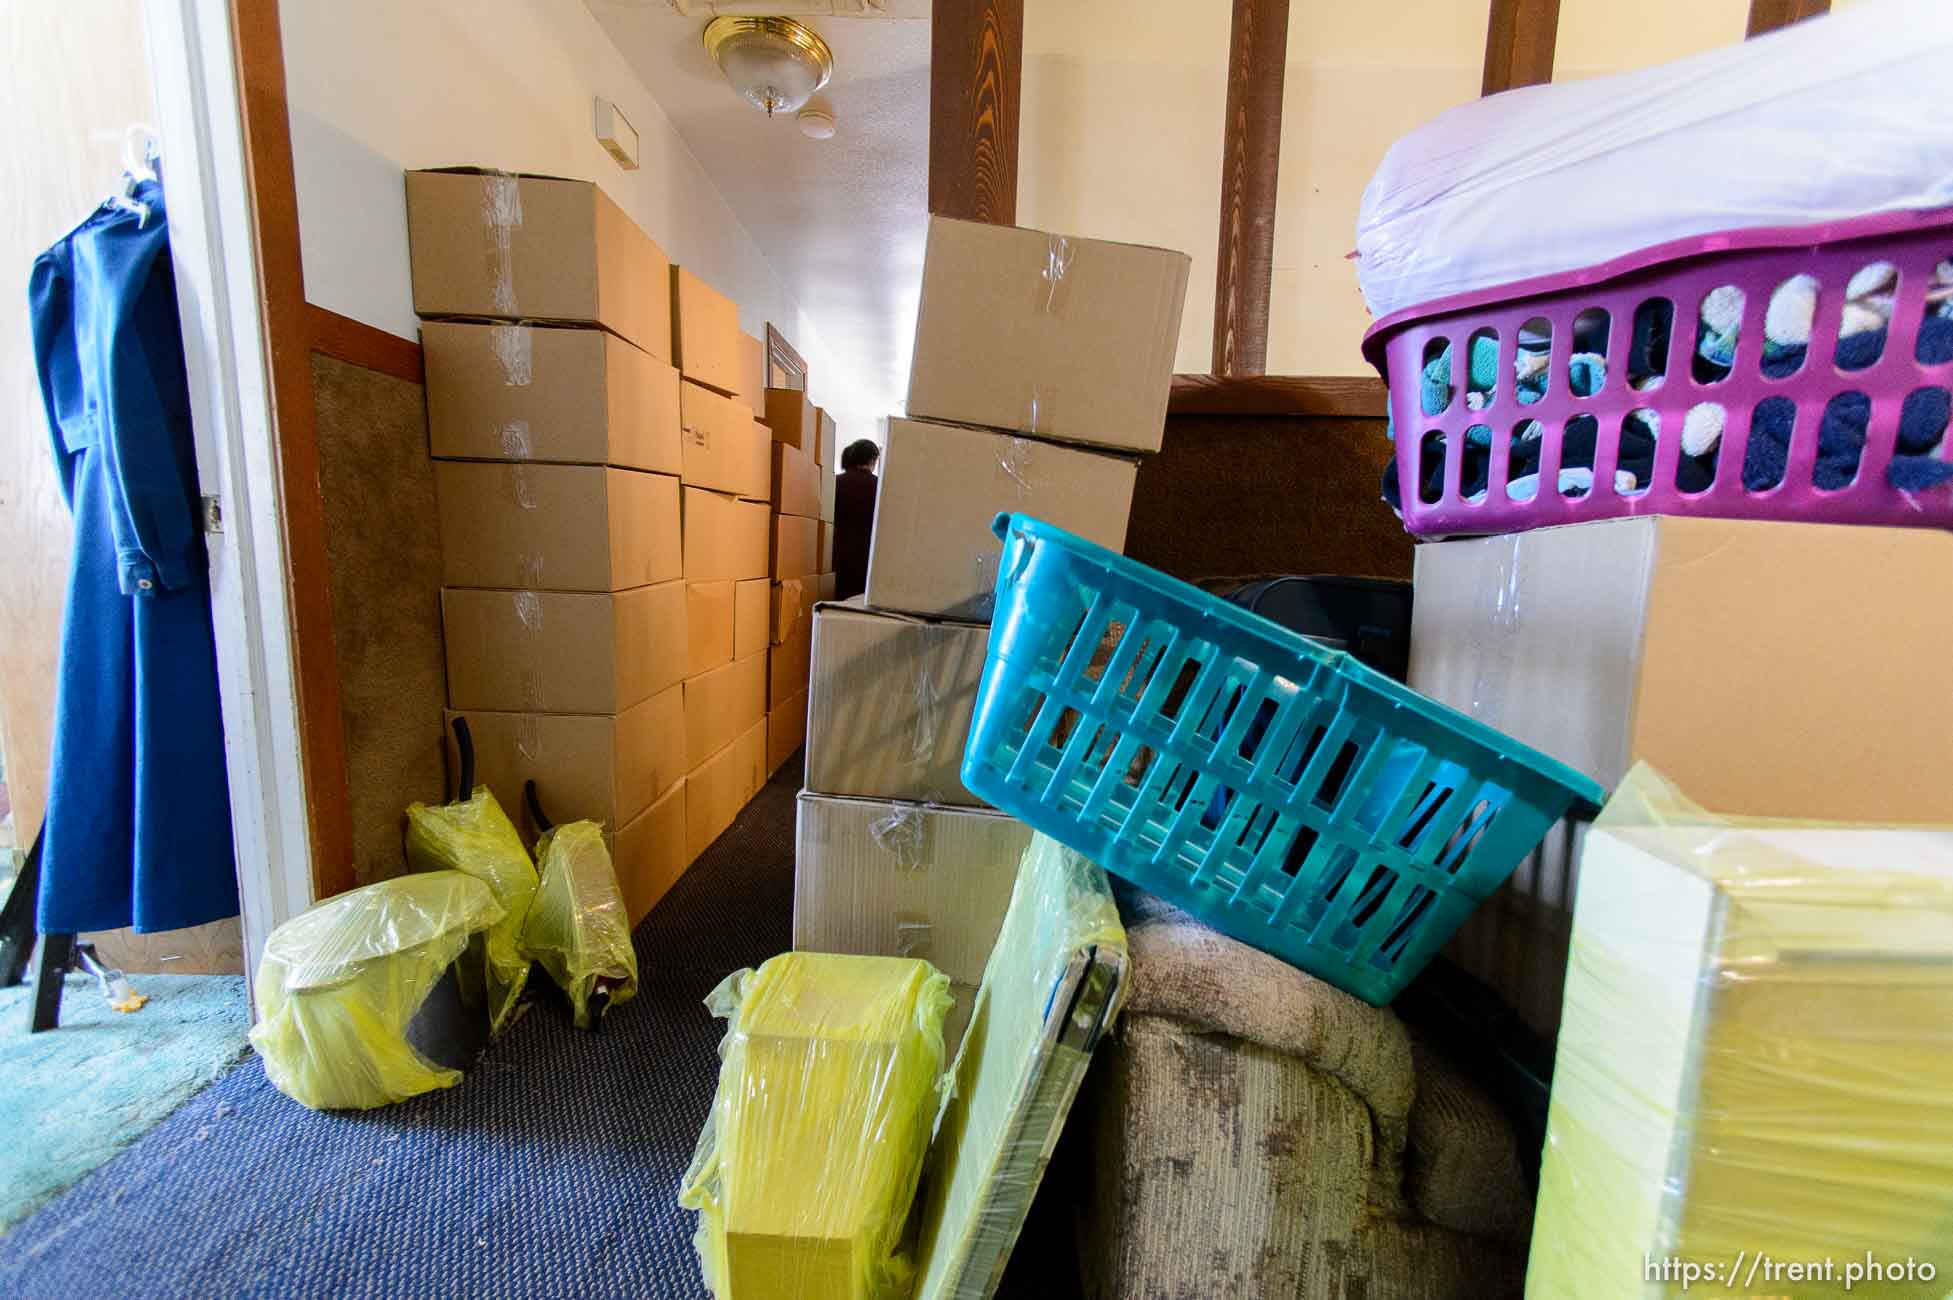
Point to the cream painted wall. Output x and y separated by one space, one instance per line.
1119 133
1598 37
378 86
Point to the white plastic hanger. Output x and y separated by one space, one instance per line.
141 147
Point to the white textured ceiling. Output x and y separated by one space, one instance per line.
842 221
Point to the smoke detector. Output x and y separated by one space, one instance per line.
816 122
776 64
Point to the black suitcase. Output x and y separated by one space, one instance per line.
1368 617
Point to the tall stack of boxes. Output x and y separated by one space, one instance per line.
802 558
1041 373
596 548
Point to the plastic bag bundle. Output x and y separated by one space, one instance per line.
577 927
339 985
831 1070
475 836
1754 1065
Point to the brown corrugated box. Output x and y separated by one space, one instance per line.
597 767
796 547
888 879
709 612
535 248
649 853
556 527
825 452
889 704
796 482
791 419
824 549
787 668
704 332
721 704
1044 334
563 652
790 605
824 587
722 447
725 538
718 789
786 731
578 396
1763 667
933 551
752 373
827 489
752 617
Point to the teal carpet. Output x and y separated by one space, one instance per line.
73 1097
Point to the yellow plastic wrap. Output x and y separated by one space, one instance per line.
1053 986
577 927
1754 1087
339 984
475 836
832 1067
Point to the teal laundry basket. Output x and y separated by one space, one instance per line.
1278 790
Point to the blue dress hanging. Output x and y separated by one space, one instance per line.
138 828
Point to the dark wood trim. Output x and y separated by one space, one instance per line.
288 345
1769 15
784 356
1355 396
360 344
976 65
1251 153
1519 39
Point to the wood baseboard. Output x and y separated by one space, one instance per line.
360 344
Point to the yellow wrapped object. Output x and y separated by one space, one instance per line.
1754 1087
474 835
577 927
339 984
831 1071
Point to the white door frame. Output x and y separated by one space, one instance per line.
193 63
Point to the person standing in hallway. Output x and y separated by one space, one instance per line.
854 516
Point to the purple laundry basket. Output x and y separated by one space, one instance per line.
1755 261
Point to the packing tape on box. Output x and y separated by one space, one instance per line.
529 571
516 443
1015 461
528 612
900 834
986 584
928 701
514 345
913 931
1058 252
1498 613
501 214
528 740
521 491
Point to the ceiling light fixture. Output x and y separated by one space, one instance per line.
775 64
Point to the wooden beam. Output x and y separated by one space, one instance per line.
1251 152
360 344
1519 39
1356 396
288 343
1768 15
976 63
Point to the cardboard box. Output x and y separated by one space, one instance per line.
796 482
827 486
711 614
556 527
720 787
825 549
885 879
1759 665
824 587
722 447
752 618
826 452
563 652
889 704
595 767
789 607
725 538
538 249
796 545
1083 355
786 731
649 853
704 333
941 487
787 673
790 417
576 396
721 704
752 373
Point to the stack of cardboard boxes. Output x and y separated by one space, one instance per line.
803 558
597 552
1041 372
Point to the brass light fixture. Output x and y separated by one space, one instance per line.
775 64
